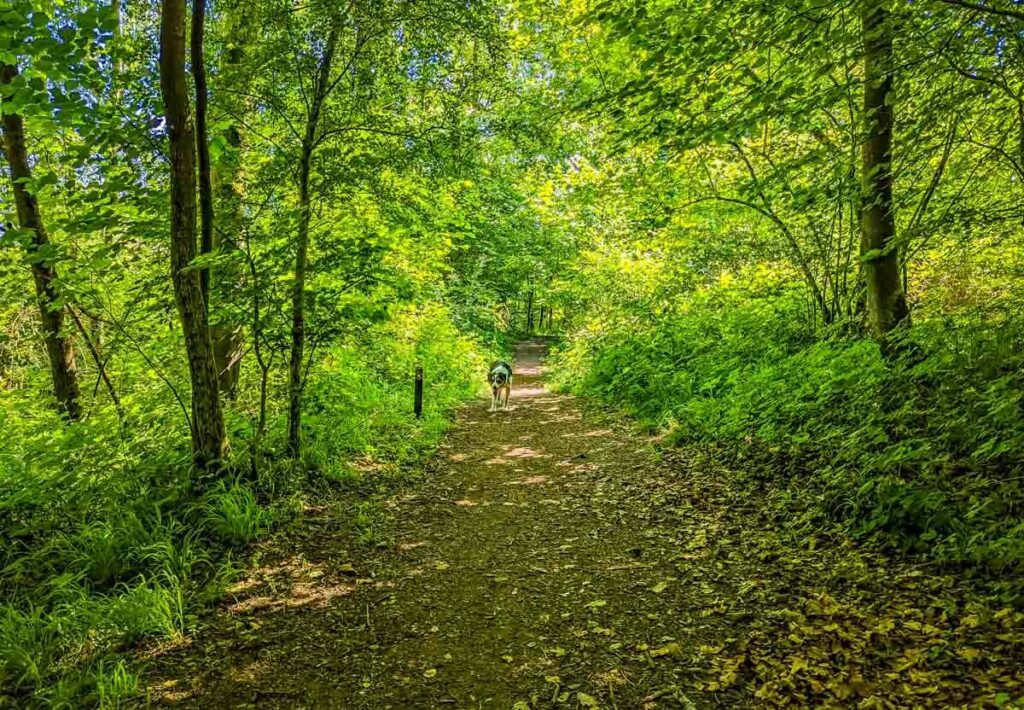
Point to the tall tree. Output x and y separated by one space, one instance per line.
238 19
59 349
224 339
207 420
887 304
322 86
202 144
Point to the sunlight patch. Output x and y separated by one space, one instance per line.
522 452
169 691
530 481
302 595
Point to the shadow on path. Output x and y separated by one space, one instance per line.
551 559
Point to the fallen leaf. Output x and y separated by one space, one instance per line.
672 649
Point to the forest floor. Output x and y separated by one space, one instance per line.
553 557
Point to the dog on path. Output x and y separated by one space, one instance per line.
500 378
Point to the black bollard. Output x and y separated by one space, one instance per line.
418 403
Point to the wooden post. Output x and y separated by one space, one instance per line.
418 402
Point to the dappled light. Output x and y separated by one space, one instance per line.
529 481
521 452
169 692
508 354
530 393
597 433
292 583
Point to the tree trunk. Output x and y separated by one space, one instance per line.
529 313
887 304
202 145
100 363
228 339
58 346
208 438
118 76
298 312
321 88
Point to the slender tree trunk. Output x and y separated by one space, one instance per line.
98 360
298 312
257 348
208 438
887 304
321 88
202 145
228 340
225 340
58 347
118 47
529 313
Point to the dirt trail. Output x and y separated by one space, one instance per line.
552 559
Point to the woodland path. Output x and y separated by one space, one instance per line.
552 558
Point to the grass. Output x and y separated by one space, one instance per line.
108 541
232 514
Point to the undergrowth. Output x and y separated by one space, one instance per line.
923 453
107 539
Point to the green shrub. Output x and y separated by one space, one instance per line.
925 453
360 402
106 538
232 513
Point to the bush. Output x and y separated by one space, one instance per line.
106 538
925 454
232 513
360 401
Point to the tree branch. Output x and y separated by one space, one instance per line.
986 9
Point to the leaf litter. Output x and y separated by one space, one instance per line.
642 580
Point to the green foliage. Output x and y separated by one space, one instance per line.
115 683
360 401
136 551
922 453
232 513
107 536
678 180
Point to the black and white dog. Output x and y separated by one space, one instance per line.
500 378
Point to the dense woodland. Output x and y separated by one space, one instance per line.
788 235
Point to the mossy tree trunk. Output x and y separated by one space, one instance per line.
886 300
228 339
59 348
207 420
